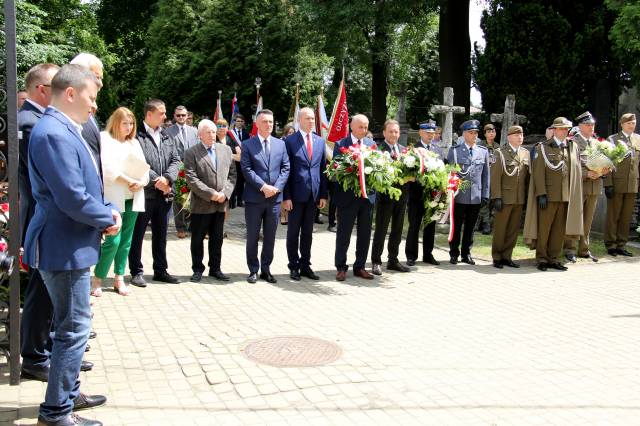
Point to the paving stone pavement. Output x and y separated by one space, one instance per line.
443 345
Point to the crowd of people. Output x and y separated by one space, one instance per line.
79 184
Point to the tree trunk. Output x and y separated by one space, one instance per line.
379 79
455 50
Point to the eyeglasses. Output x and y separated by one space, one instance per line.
221 126
181 115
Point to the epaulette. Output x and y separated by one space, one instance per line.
483 147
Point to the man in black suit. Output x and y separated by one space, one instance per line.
161 154
91 129
389 210
239 134
352 207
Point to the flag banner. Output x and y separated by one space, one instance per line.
322 124
254 128
339 125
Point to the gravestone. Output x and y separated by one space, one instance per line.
447 110
508 118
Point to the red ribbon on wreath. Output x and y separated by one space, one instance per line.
452 189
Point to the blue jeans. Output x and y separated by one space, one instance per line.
69 292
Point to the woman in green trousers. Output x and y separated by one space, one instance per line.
124 182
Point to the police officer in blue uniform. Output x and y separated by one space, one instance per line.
473 161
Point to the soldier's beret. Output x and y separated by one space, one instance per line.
627 117
514 129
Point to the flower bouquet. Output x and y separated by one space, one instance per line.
601 156
183 194
360 168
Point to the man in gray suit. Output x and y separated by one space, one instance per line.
211 175
184 137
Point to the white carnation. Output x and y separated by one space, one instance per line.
409 161
433 204
368 170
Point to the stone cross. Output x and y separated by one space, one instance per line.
508 118
447 109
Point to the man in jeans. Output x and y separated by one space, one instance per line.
63 238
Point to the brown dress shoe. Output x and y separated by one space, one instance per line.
181 234
362 273
341 275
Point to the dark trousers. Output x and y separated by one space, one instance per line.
238 189
300 233
201 225
360 209
464 216
263 215
35 328
156 211
415 213
388 210
332 205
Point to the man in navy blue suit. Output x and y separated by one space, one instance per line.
63 238
304 193
351 207
265 165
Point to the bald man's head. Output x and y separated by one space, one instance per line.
307 119
359 126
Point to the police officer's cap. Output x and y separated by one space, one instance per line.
470 125
428 126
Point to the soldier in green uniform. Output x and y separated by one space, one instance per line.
556 191
509 177
485 217
621 187
591 189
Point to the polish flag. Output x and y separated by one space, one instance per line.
218 114
254 128
322 124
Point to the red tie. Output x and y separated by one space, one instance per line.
309 147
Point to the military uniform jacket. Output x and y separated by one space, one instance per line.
509 177
491 148
474 169
625 178
549 180
589 186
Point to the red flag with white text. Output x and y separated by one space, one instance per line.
339 124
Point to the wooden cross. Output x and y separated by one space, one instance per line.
447 109
508 118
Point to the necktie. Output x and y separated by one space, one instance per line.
266 146
182 133
309 147
212 155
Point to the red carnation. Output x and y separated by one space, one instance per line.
344 150
4 207
181 173
349 169
184 190
335 165
404 150
374 146
600 139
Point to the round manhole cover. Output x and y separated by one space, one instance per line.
292 351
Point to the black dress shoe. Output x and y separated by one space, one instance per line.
252 278
218 275
92 334
589 256
497 264
510 263
468 259
571 258
88 348
430 260
196 277
319 221
376 269
240 203
612 252
84 401
138 280
558 266
70 420
542 266
453 261
268 277
86 366
308 272
294 275
165 277
397 266
624 252
40 374
411 262
332 228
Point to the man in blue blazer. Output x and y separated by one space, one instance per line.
351 207
265 166
63 239
304 193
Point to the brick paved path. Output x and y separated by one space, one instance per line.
446 345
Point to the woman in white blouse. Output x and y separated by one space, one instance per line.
124 182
